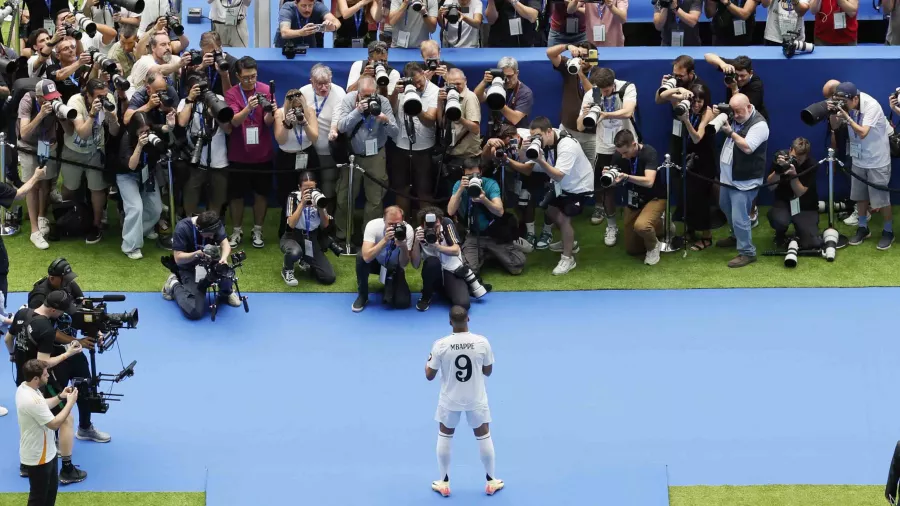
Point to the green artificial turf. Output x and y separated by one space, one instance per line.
115 499
778 495
103 267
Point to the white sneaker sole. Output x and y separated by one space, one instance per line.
560 273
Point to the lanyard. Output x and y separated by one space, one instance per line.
212 77
306 219
695 120
252 113
316 103
634 163
47 2
72 78
580 85
601 9
301 21
514 96
358 18
298 136
387 259
859 121
197 239
551 156
144 159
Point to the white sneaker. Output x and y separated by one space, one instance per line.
233 300
441 487
257 238
853 219
493 486
236 237
524 245
38 240
598 216
557 247
152 235
652 256
565 265
55 197
168 286
43 225
3 411
610 237
288 276
135 254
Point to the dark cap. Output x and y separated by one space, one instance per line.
847 89
61 301
61 268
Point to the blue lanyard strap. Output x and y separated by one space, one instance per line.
601 9
301 21
306 219
316 103
358 18
634 163
695 120
298 136
250 116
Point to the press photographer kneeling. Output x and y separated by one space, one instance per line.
306 221
385 251
796 198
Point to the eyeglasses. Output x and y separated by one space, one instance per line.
249 79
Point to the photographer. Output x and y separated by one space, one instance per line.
378 56
466 31
325 96
161 59
202 128
870 153
574 88
519 98
300 20
229 23
36 130
188 287
678 21
302 240
742 164
85 143
635 166
796 199
611 104
505 151
385 251
462 137
739 78
784 20
367 132
156 99
684 79
136 182
838 25
357 32
70 69
732 22
436 250
567 23
487 235
296 132
436 69
221 77
42 13
123 50
412 21
513 23
414 141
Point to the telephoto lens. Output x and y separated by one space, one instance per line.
668 84
453 108
830 238
63 111
175 25
495 96
412 104
197 153
682 108
381 74
219 108
121 83
154 140
591 119
464 272
726 110
86 24
535 145
317 198
608 178
790 259
573 66
71 31
107 104
416 5
221 61
474 189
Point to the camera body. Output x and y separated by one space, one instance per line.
165 99
216 271
573 65
432 64
662 4
71 31
289 50
220 61
609 176
535 146
196 57
475 188
726 109
781 167
429 229
382 78
372 106
92 317
791 45
683 107
453 13
453 106
730 78
495 96
264 103
399 230
896 94
175 25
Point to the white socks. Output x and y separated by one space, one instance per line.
486 451
548 229
443 453
529 227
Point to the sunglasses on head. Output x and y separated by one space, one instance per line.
291 96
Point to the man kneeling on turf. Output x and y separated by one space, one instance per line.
385 251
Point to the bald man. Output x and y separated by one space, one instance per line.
743 167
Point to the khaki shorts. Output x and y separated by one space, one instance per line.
72 174
29 162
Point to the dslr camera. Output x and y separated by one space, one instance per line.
609 176
382 78
726 110
452 15
669 82
791 45
399 230
289 50
165 99
730 78
196 57
475 188
432 64
372 106
535 146
317 198
175 24
495 96
783 162
264 103
429 229
662 4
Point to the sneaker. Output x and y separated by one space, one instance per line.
598 216
493 486
524 245
565 265
853 219
423 305
233 300
442 487
862 233
43 225
531 238
169 286
71 475
887 238
38 240
94 236
288 276
257 240
153 235
360 303
135 254
741 261
557 247
544 241
610 237
237 235
652 256
3 411
754 217
92 434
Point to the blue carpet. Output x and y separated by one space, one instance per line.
591 391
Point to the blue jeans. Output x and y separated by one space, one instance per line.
737 205
142 211
557 38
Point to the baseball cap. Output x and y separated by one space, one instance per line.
847 89
61 268
46 89
61 301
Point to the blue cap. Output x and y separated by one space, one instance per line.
847 89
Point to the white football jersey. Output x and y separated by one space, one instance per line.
460 358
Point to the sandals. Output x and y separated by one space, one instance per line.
702 244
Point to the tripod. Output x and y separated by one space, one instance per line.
670 244
212 297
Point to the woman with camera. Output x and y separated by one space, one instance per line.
139 152
702 145
296 132
306 221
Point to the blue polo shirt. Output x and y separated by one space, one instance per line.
483 217
290 14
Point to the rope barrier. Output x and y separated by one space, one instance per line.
764 185
867 183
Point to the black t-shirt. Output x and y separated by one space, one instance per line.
438 80
647 158
809 201
42 289
7 195
71 86
33 334
754 91
500 34
140 99
187 239
38 12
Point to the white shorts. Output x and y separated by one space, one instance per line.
475 418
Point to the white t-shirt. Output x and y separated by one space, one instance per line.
37 443
297 140
97 139
311 213
608 128
449 263
411 26
96 42
31 63
153 9
218 145
217 9
357 68
324 112
424 135
873 152
571 161
463 34
138 76
757 134
375 232
780 20
460 358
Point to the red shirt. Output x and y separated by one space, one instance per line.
824 27
559 17
238 150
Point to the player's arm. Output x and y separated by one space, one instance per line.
432 365
430 373
487 369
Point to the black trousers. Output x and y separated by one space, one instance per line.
396 289
191 296
292 245
44 483
436 279
75 366
806 224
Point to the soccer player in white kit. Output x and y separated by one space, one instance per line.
464 360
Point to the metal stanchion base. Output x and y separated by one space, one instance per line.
349 250
674 244
8 231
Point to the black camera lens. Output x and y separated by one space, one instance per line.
430 235
400 232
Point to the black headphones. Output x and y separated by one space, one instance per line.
59 265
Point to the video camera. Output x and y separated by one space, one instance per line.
216 272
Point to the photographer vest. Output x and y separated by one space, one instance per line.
753 166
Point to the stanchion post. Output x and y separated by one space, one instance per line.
4 230
348 241
165 242
830 187
668 245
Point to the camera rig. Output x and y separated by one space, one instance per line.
216 272
91 319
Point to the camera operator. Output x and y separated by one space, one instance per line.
357 33
201 127
177 43
505 151
685 78
574 89
436 70
36 130
796 199
439 255
60 276
123 50
617 102
513 23
229 23
135 179
784 20
221 78
300 20
414 142
156 99
732 22
678 21
466 32
188 287
85 143
307 220
161 59
368 134
487 236
41 13
41 46
462 138
838 24
296 132
739 78
250 147
870 153
378 54
519 98
325 97
412 21
385 252
742 164
636 167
